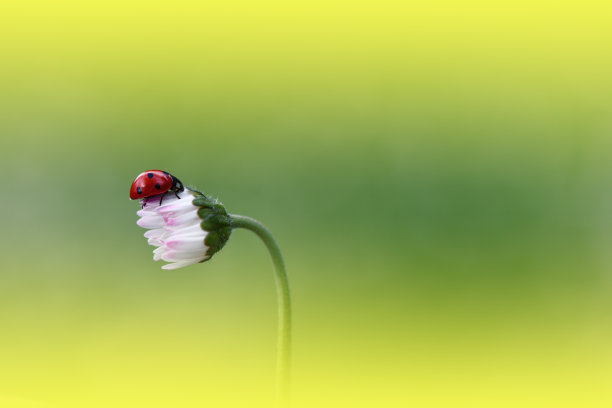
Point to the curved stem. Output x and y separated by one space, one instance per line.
284 304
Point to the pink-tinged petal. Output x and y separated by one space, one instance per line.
148 204
192 243
153 202
183 219
158 253
144 213
174 255
178 206
186 230
154 233
181 264
151 222
155 242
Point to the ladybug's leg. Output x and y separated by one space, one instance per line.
176 194
161 198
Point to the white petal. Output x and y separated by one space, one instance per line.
182 235
144 212
151 221
187 243
157 256
183 219
190 230
155 242
178 206
151 203
155 236
181 264
154 233
159 250
174 255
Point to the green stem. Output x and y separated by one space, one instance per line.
284 304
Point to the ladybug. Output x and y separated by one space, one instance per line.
154 182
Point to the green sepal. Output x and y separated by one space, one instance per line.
219 208
215 221
203 201
212 240
225 233
204 212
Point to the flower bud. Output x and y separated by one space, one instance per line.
187 227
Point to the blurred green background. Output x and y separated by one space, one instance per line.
436 173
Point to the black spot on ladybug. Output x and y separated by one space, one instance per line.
138 190
157 186
150 175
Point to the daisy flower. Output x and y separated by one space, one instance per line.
186 227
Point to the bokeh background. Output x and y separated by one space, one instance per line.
438 175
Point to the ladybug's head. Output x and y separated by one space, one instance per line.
176 184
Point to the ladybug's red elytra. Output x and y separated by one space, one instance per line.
154 182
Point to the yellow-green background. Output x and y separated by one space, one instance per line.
438 175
